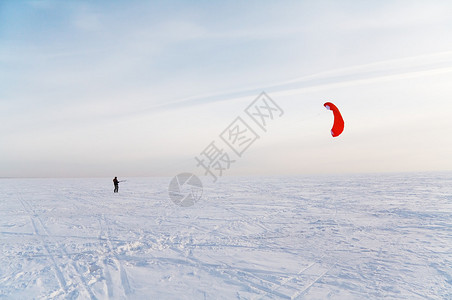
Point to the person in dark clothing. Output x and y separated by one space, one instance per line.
116 183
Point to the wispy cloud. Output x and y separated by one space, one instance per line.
388 70
72 70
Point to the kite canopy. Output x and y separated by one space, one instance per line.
338 125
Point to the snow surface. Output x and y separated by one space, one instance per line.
318 237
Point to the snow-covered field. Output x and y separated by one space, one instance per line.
318 237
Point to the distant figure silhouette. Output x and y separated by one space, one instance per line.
116 183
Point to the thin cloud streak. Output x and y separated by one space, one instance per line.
409 67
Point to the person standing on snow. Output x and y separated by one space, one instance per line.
116 183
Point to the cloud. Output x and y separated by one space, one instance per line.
384 15
88 21
148 77
388 70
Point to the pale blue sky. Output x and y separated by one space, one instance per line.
130 88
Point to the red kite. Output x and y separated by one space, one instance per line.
338 125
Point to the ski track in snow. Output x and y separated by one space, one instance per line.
60 251
324 237
112 255
57 269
